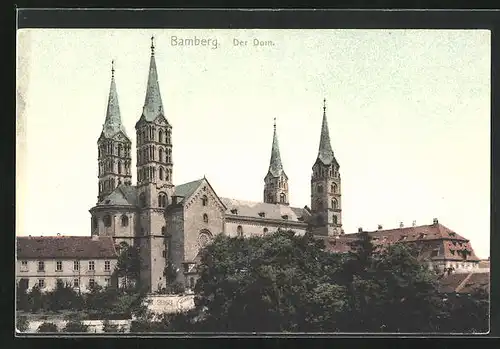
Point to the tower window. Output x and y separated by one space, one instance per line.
160 154
334 188
94 223
142 200
160 136
162 200
162 172
119 167
119 150
319 205
334 219
107 221
124 221
205 218
204 200
283 198
319 189
163 230
334 204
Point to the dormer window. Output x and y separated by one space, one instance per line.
234 211
300 219
284 216
262 214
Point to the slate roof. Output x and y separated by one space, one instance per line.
123 195
113 123
271 211
61 247
187 189
153 105
275 164
325 152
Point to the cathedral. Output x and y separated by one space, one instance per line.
170 223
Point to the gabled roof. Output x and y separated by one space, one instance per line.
270 211
187 189
61 247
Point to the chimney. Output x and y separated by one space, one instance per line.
414 224
379 227
360 230
401 225
435 221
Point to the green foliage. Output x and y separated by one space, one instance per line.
128 265
75 326
22 297
22 323
47 327
63 297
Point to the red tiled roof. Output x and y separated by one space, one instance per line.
455 282
429 237
61 247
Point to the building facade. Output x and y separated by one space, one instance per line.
78 261
171 223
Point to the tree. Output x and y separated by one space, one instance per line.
64 297
265 284
107 326
38 300
47 327
75 326
129 265
22 297
22 323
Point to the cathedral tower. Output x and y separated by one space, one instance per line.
113 145
154 179
276 181
325 187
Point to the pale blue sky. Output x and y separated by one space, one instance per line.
408 110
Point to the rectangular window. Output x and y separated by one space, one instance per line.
91 283
24 263
59 266
41 266
107 265
76 283
76 265
41 283
91 265
164 254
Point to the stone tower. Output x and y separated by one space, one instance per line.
325 187
276 181
113 146
154 180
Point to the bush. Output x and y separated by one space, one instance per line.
107 326
47 327
22 323
75 326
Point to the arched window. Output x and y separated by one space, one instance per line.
334 188
282 198
239 230
160 136
205 218
107 221
120 150
163 230
119 167
124 221
204 200
320 189
334 204
162 200
265 230
142 200
162 175
334 219
160 155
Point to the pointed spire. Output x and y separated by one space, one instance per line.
275 165
153 105
113 122
325 152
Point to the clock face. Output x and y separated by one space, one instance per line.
203 240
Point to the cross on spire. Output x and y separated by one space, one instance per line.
152 45
324 105
113 68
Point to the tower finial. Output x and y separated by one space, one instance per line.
152 44
275 123
113 68
324 105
